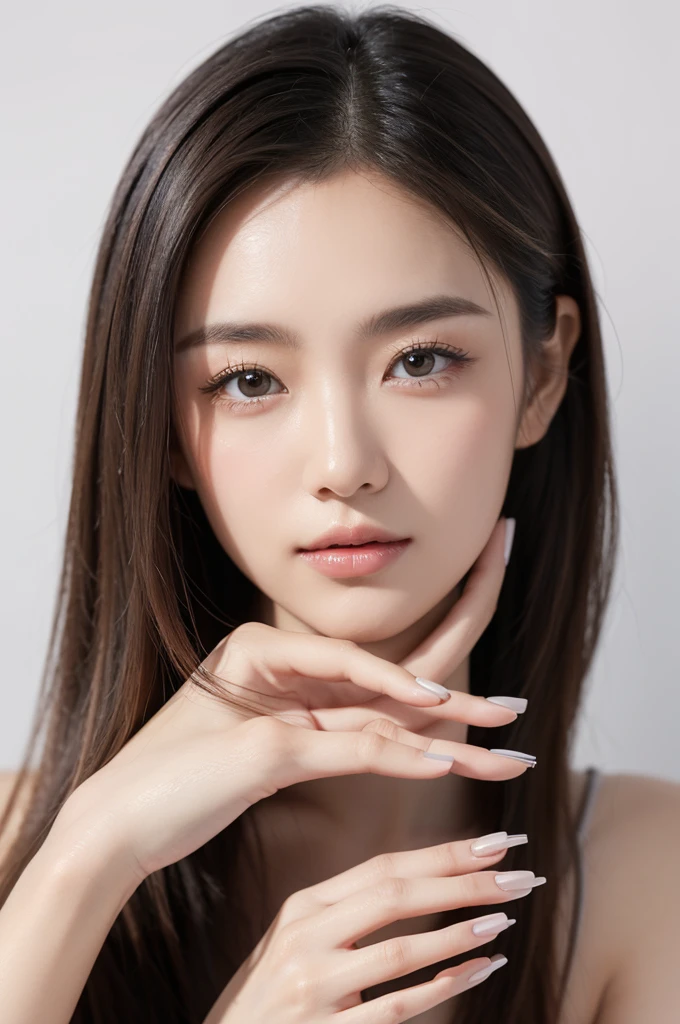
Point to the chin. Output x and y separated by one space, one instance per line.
372 621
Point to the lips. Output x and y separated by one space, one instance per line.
352 536
354 545
355 560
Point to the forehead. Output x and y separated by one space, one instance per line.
328 254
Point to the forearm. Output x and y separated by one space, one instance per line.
53 926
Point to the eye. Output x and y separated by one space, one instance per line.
421 359
252 382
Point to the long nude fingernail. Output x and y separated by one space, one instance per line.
496 841
515 755
509 537
517 704
509 881
492 924
432 687
497 960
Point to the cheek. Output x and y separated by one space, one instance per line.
463 461
236 484
458 476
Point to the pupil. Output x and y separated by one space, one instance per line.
419 357
249 375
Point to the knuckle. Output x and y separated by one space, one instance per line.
244 636
391 892
247 629
396 953
298 986
346 646
288 911
446 859
291 942
393 1009
235 637
385 864
383 727
296 905
472 888
369 746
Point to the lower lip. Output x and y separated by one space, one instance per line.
359 561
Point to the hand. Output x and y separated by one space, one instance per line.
202 760
306 967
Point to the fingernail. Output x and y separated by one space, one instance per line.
492 924
427 684
509 537
518 704
509 881
516 755
496 841
497 960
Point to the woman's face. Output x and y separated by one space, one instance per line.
335 427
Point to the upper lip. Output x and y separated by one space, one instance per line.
363 533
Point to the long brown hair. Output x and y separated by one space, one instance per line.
147 591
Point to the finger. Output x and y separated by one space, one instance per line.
465 708
287 654
469 761
314 755
403 954
409 1002
288 754
440 861
444 649
473 972
395 899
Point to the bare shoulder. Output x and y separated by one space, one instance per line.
631 900
644 795
631 853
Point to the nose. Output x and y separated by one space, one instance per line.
343 451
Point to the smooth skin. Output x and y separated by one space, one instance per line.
338 426
309 707
341 439
199 762
343 431
306 967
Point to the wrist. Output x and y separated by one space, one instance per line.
88 847
55 921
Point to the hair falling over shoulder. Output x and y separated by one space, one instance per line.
146 591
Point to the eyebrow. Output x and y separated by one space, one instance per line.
434 308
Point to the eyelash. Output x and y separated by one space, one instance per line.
213 385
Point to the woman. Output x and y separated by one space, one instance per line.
341 298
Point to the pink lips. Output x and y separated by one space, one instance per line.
363 560
352 536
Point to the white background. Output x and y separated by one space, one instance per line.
600 78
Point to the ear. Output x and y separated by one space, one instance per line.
179 467
551 375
